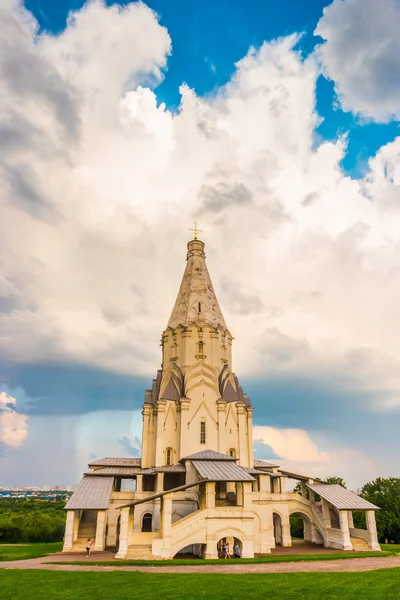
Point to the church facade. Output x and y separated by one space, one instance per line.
197 484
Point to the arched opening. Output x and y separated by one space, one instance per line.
232 452
147 522
192 551
302 531
277 529
168 456
202 432
229 547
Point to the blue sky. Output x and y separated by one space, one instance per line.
274 124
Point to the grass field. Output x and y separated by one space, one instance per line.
37 585
22 552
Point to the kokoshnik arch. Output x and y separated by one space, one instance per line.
197 482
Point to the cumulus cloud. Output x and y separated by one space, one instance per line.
361 54
290 444
13 425
101 182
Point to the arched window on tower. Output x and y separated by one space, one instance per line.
147 522
202 432
168 456
199 307
201 348
232 452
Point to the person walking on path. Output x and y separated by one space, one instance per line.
88 546
236 551
227 550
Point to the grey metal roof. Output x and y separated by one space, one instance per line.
123 471
117 462
221 470
264 463
92 492
209 455
341 498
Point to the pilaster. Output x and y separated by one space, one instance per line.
100 538
160 432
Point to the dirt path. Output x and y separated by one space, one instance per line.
354 564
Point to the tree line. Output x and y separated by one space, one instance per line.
382 492
31 520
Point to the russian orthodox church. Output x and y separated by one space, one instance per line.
197 484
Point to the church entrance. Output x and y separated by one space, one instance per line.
229 543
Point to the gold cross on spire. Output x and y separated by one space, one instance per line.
195 231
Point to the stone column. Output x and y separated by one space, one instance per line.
100 538
239 493
283 484
326 513
210 494
69 531
139 483
371 526
160 482
344 528
276 485
166 523
123 533
265 483
350 518
247 494
286 537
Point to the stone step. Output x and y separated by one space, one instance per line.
139 552
359 544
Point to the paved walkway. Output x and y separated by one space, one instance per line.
354 564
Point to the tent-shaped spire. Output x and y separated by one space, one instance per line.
196 303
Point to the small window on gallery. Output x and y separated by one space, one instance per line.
202 432
169 456
232 452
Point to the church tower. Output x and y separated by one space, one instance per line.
196 402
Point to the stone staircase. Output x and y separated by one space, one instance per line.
359 545
142 552
87 529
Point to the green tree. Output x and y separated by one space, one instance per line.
385 493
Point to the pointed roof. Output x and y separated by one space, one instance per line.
209 455
196 302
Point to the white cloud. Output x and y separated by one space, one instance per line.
361 54
13 425
300 454
290 444
100 185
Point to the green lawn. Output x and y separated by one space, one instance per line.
25 551
37 585
261 559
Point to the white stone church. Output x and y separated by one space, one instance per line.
197 483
